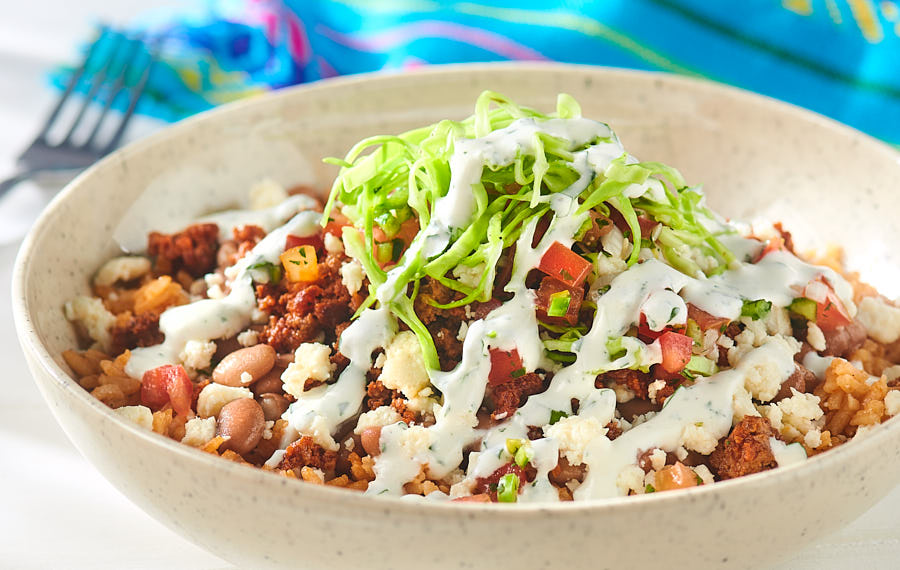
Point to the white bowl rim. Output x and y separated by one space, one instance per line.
781 476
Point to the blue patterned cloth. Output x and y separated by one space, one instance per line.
840 58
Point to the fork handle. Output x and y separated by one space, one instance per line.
13 181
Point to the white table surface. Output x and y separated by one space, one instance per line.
56 510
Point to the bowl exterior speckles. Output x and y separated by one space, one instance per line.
753 155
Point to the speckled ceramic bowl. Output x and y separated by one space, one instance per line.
754 155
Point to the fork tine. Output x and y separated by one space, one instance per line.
117 87
136 92
73 81
98 80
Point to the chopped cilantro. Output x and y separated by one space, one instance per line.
757 309
557 415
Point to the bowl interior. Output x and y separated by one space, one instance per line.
755 158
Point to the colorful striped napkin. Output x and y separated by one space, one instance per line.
838 57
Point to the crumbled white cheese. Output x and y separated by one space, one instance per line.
379 360
742 404
725 341
379 417
654 388
311 361
574 434
778 321
891 372
657 459
892 402
415 440
197 354
623 393
881 319
320 433
123 268
352 276
333 244
463 329
813 438
772 413
404 367
213 398
266 193
469 276
631 479
91 313
799 414
198 431
643 418
141 415
699 438
248 337
815 337
267 429
704 473
763 380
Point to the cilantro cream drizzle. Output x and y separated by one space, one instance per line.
652 287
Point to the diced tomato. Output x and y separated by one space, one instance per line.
645 333
647 226
774 244
336 224
562 263
550 286
153 387
705 320
505 365
180 391
483 484
830 311
315 240
167 384
676 351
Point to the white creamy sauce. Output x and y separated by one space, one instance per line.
327 406
651 287
210 319
268 218
786 454
708 403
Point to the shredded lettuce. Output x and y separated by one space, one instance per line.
386 179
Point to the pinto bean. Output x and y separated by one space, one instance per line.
801 380
371 440
844 340
273 405
255 360
270 383
242 421
565 472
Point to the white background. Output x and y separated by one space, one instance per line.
56 511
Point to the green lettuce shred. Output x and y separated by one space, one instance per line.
385 180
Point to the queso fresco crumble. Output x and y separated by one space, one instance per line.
505 308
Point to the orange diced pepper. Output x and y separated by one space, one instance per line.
678 476
300 263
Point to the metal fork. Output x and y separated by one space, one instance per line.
116 59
